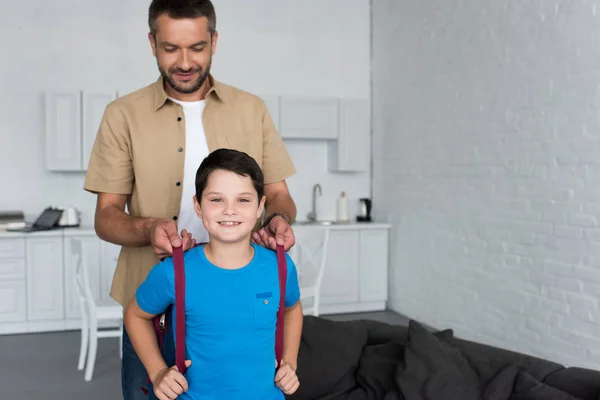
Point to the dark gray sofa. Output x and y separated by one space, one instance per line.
369 360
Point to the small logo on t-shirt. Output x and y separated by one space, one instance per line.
264 295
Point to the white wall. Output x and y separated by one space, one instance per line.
487 153
295 47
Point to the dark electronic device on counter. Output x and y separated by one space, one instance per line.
47 220
364 210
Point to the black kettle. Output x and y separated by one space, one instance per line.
364 210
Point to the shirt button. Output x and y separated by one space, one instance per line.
180 149
175 217
178 118
266 301
178 183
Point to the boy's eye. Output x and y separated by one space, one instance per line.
244 200
215 200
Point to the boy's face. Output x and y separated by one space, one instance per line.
229 206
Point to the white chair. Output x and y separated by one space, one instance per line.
92 312
310 256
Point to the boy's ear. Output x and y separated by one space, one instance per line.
197 207
261 207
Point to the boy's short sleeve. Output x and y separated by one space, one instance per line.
292 289
157 292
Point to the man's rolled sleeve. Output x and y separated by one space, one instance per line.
110 169
277 164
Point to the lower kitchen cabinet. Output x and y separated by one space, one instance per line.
37 274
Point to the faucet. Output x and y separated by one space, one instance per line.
312 216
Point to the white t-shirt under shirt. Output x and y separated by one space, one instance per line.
196 150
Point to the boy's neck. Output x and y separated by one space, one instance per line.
229 255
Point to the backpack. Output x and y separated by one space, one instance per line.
160 322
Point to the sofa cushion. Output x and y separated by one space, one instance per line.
488 359
328 358
583 383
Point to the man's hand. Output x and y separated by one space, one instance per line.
278 232
163 236
169 383
286 378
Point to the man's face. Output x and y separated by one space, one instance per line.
183 49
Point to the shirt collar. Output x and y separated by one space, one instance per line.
160 95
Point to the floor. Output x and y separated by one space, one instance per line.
44 366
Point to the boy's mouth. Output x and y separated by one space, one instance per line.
229 223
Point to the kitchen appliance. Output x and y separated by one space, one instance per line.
47 220
71 217
364 210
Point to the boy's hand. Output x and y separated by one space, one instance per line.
170 383
286 378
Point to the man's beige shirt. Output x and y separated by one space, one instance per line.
140 148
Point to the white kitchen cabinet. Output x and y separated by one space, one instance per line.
72 122
63 131
12 301
355 278
94 106
340 278
374 259
37 288
13 305
351 151
45 287
309 117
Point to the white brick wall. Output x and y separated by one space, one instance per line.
487 157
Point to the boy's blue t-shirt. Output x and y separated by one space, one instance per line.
230 322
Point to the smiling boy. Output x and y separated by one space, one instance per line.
232 297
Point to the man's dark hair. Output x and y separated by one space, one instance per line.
179 9
230 160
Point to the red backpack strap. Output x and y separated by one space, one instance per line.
179 309
282 270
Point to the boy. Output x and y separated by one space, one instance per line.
232 297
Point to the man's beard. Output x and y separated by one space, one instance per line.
186 90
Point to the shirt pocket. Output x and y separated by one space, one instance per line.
265 310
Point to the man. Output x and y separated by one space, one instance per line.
151 142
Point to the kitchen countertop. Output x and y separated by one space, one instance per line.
89 230
342 225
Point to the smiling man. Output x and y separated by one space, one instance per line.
151 142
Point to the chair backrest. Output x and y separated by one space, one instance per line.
82 283
310 256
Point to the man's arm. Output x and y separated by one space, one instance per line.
114 225
279 201
292 333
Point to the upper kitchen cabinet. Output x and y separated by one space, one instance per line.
309 118
63 131
94 105
72 120
351 151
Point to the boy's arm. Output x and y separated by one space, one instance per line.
292 333
141 333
